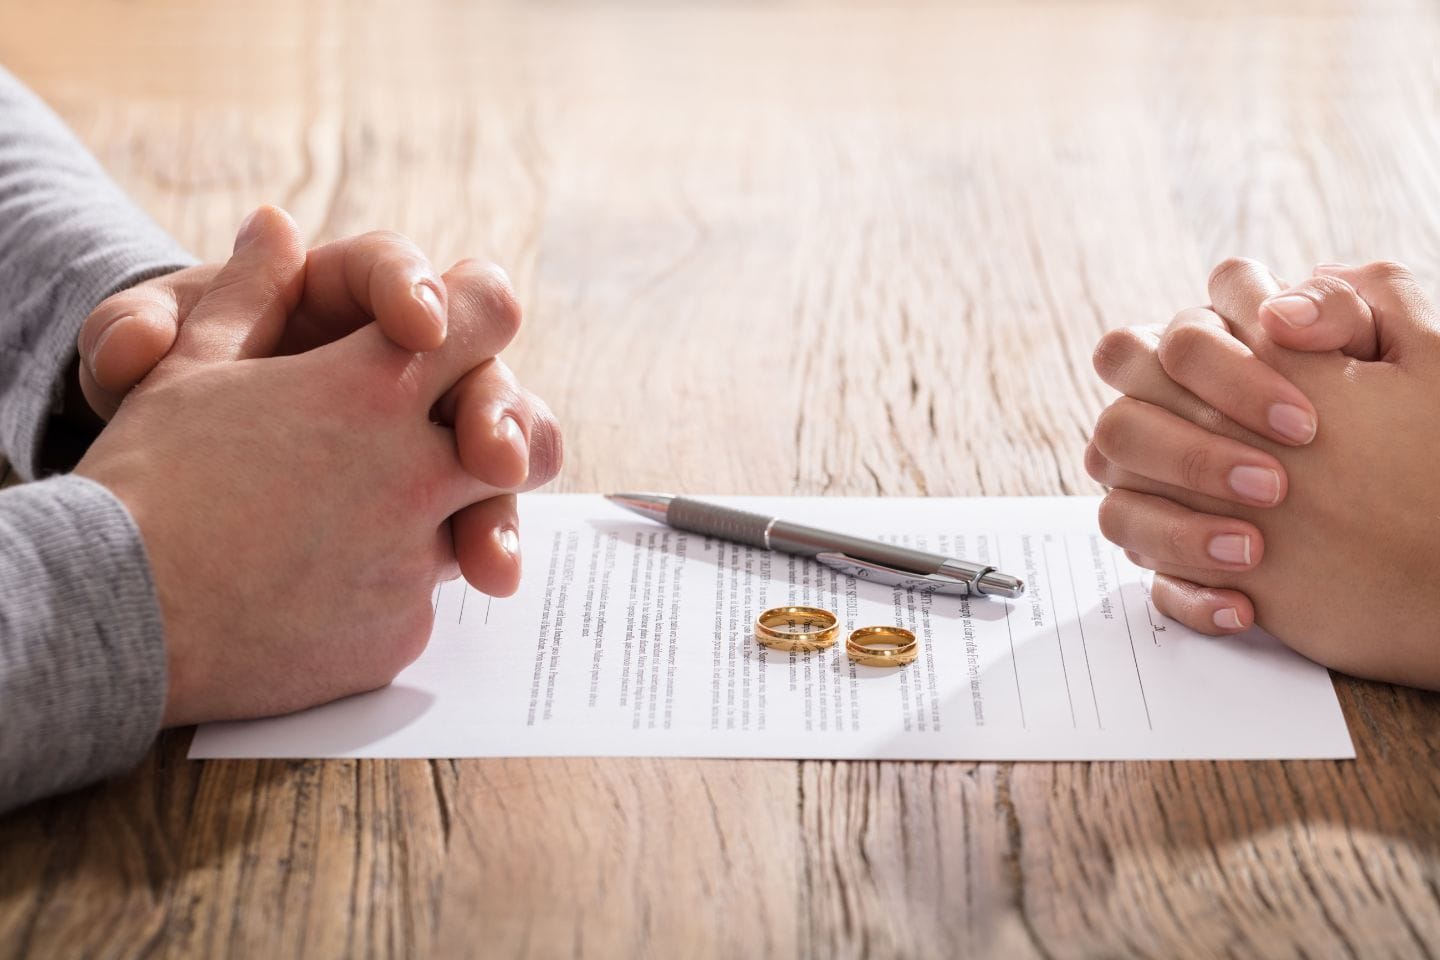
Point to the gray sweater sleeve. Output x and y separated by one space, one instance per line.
68 239
82 654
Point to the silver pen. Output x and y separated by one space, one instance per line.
852 556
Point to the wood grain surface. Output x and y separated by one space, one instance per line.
856 247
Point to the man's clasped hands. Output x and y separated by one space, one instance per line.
310 441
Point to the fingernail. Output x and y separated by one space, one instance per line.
92 359
1331 267
1230 548
249 230
1294 310
1227 618
1292 422
509 541
508 430
1260 484
430 300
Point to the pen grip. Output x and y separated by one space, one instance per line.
712 520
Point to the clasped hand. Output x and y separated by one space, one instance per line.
1273 460
309 444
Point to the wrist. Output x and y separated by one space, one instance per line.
126 477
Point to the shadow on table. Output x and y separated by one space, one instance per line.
331 730
1219 837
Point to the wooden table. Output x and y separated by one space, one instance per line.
916 218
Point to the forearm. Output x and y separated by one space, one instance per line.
69 237
82 652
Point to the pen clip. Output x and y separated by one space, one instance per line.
907 579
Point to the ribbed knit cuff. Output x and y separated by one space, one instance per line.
82 642
37 377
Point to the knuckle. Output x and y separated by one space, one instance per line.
1115 352
1203 317
393 257
1167 600
1212 420
488 384
1195 467
1231 269
1388 271
547 445
493 295
381 392
239 284
1138 560
1182 349
1322 288
1176 540
1113 519
469 265
502 303
115 304
385 240
1110 429
500 379
1096 465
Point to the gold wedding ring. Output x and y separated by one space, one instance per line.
882 646
797 629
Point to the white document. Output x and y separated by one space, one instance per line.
628 638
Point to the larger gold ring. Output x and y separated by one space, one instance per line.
797 629
882 646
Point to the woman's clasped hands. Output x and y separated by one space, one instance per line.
1273 458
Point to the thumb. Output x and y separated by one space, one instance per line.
122 340
1404 316
1322 313
1237 288
243 313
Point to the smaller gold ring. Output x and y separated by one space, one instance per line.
788 628
882 646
